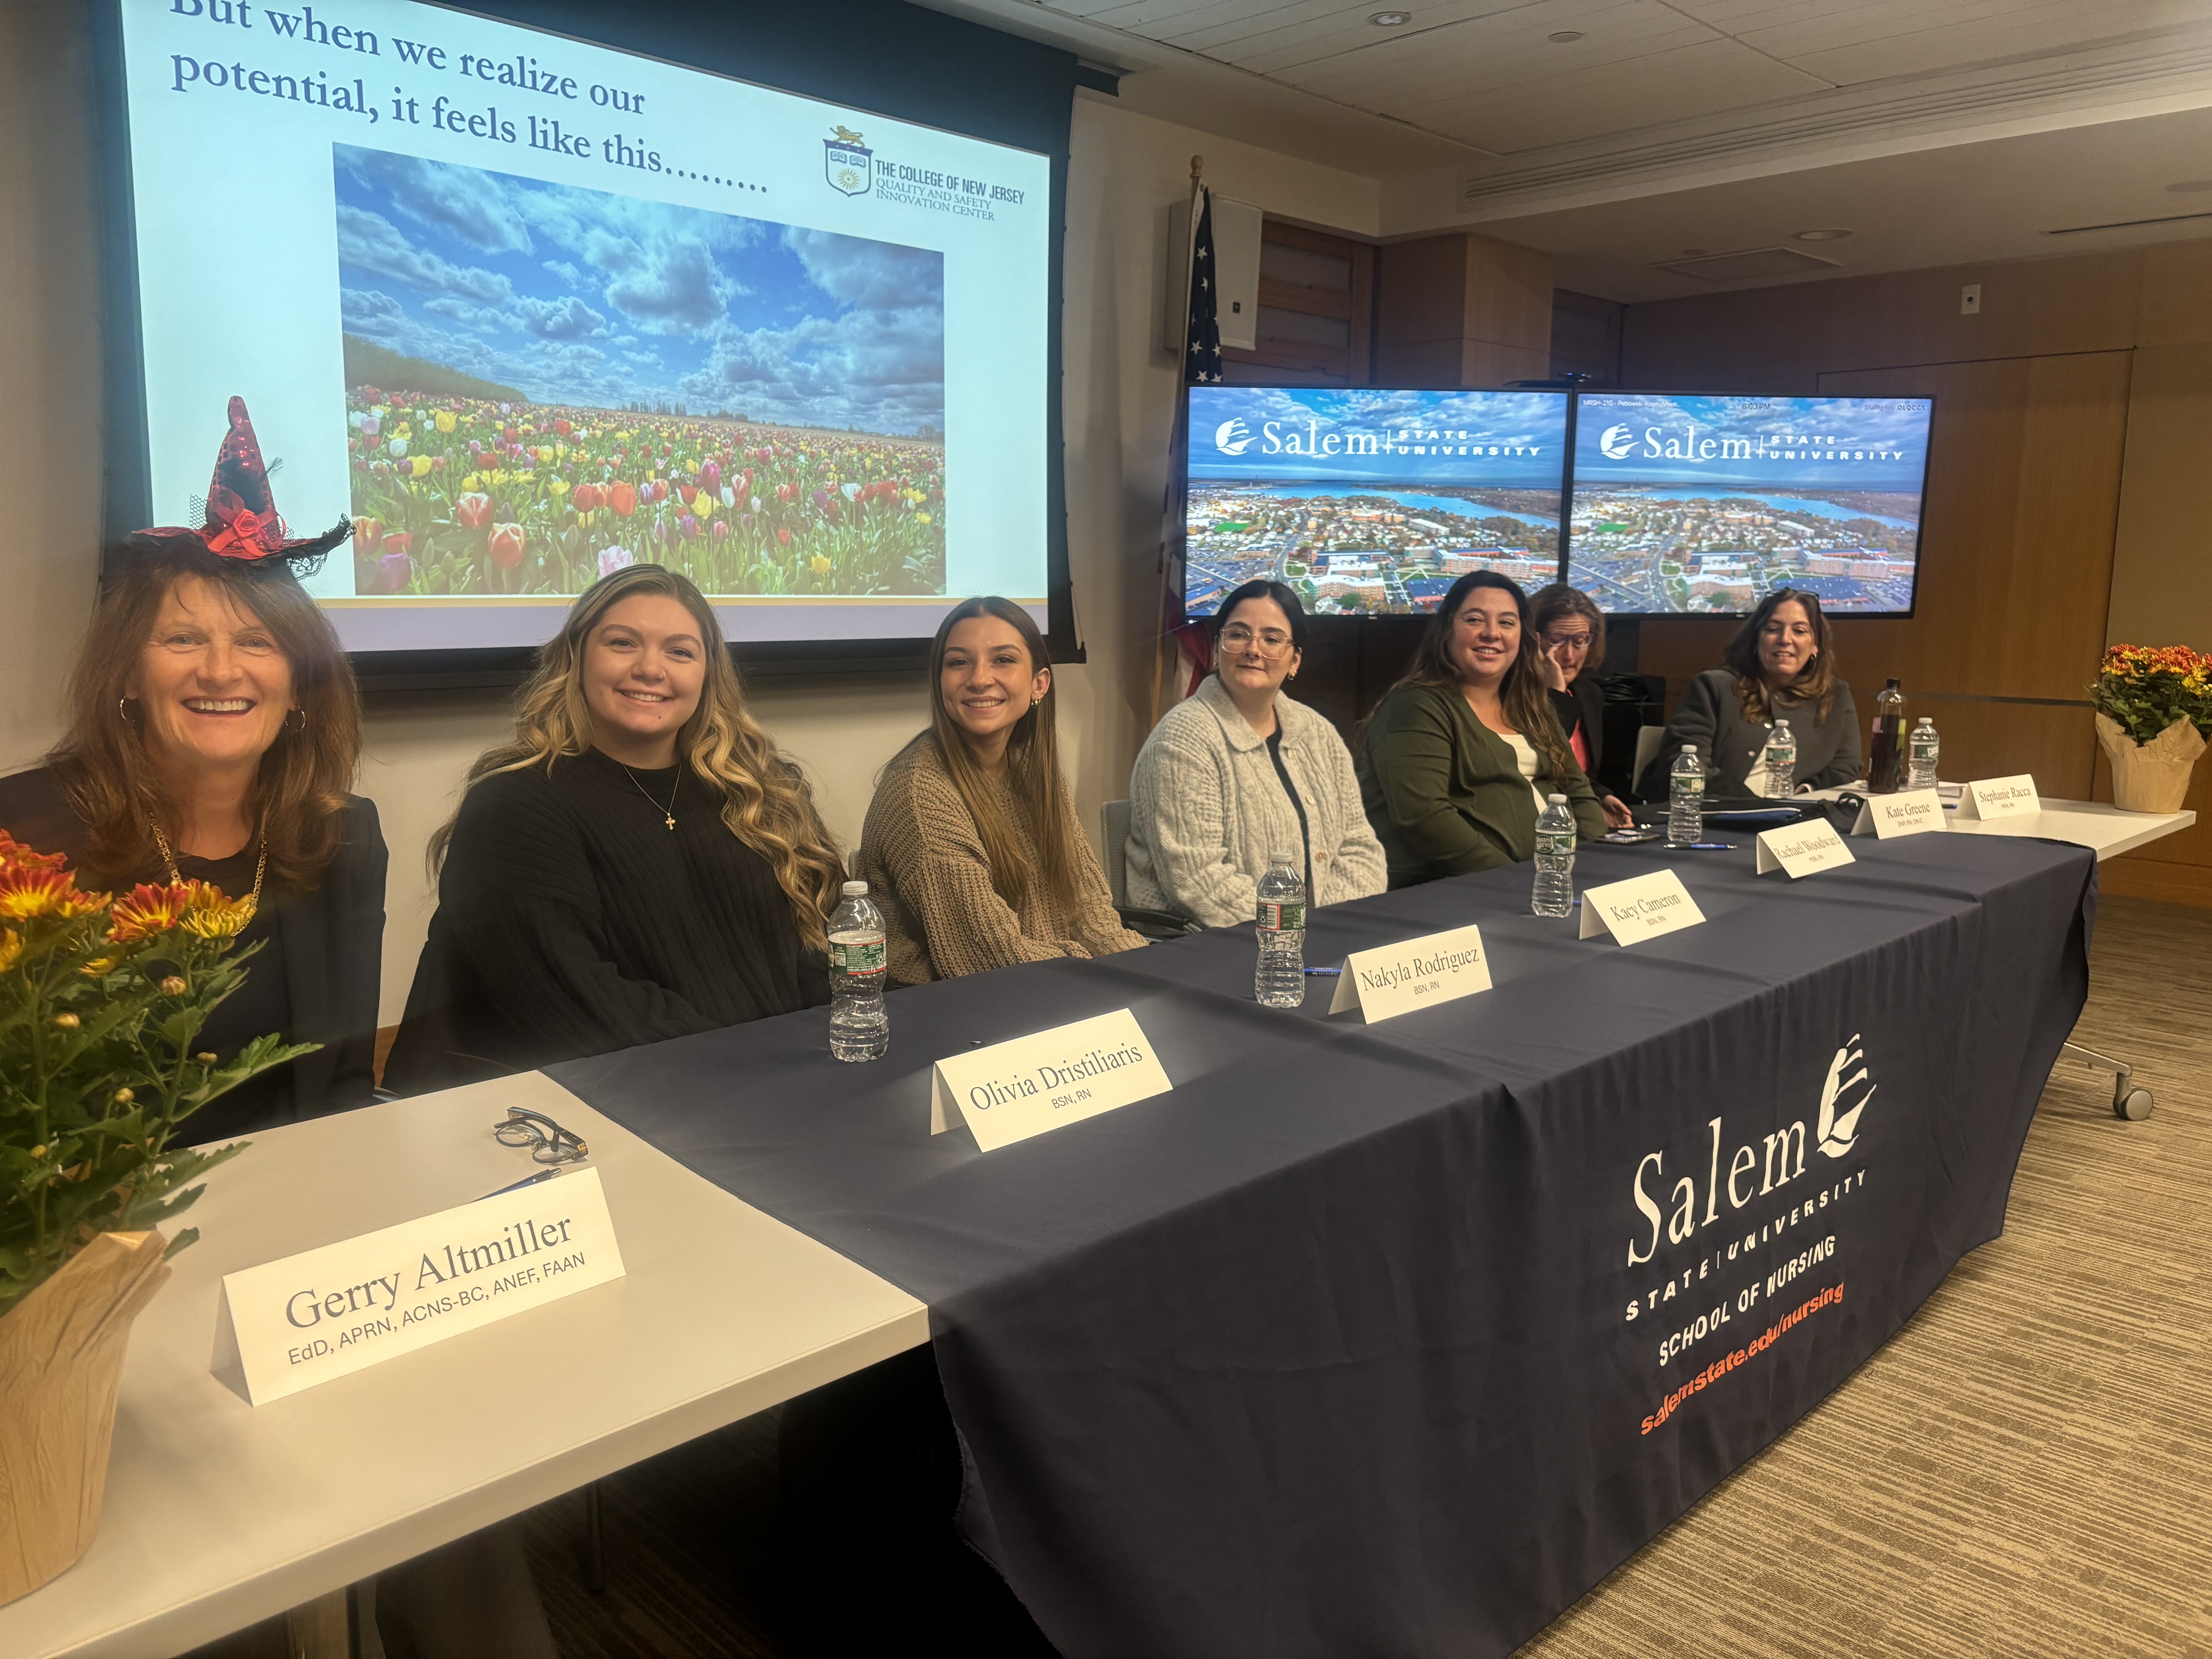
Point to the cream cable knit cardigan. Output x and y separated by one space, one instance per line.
1207 811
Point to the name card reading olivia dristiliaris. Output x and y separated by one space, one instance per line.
1012 1091
287 1325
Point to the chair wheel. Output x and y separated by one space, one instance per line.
2135 1104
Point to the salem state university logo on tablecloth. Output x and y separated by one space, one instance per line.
849 164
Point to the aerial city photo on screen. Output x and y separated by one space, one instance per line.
1370 502
1690 504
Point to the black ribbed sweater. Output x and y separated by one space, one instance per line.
572 920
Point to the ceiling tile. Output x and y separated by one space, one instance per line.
1952 36
1397 76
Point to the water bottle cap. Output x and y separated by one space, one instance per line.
1559 800
1278 858
854 888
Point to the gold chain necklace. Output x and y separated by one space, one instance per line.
260 867
668 812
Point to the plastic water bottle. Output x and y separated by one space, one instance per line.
1685 799
1555 861
1280 980
1781 761
1927 748
858 1027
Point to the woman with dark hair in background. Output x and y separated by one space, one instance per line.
1238 773
1570 634
638 863
971 837
1459 755
1781 665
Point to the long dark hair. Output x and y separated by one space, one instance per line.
1523 696
1816 680
765 801
300 789
1032 766
1260 587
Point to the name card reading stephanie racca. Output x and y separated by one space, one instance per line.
1906 813
2000 798
1396 979
1641 908
1012 1091
1804 849
287 1325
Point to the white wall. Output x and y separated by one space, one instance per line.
1120 391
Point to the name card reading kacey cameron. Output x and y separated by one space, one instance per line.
1396 979
327 1312
1641 908
1012 1091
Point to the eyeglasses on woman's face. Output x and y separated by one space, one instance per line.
1270 641
1570 639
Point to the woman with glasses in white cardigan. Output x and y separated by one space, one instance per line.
1240 773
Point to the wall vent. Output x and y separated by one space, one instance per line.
1756 265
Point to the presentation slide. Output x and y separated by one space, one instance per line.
1703 505
528 310
1371 503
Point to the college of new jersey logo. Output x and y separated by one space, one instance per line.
1836 1132
849 164
1232 437
1616 441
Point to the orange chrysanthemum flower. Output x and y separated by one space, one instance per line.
149 909
14 856
39 891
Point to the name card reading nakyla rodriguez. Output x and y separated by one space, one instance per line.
1396 979
1906 813
328 1312
2000 798
1803 848
1012 1090
1641 908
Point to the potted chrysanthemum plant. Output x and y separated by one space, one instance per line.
102 1000
2154 713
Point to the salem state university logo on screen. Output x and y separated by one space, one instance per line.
849 165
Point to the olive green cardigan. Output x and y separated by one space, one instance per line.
1444 793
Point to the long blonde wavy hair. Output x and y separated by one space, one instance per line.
766 803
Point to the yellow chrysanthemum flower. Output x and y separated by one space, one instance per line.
212 916
11 946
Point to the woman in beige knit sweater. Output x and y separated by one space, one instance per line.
971 843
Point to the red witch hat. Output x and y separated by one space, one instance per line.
239 518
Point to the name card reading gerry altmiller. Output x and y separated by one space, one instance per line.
1396 979
1641 908
1906 813
1803 848
1012 1090
287 1325
2000 798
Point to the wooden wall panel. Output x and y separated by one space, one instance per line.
1462 310
2163 556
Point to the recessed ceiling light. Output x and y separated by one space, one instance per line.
1389 20
1563 36
2190 186
1818 235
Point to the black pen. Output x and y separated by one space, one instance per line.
526 1180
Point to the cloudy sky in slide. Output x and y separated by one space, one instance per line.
581 296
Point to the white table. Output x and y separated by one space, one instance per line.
219 1515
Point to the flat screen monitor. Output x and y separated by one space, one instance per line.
1701 506
1367 503
528 309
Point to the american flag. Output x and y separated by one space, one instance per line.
1201 365
1201 360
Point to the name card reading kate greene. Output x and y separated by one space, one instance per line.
1012 1090
1641 908
1396 979
1907 813
1804 849
328 1312
2000 798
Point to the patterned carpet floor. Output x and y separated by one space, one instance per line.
2024 1472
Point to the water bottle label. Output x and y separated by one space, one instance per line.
1689 786
857 956
1278 915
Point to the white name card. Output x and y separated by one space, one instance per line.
329 1312
2000 798
1012 1090
1396 979
1803 848
1907 813
1641 908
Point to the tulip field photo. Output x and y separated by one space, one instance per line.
546 383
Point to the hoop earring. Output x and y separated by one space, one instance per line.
301 726
123 710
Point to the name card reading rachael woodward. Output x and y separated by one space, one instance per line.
1012 1090
1396 979
1803 848
1641 908
2000 798
287 1325
1906 813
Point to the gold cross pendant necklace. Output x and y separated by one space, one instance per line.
667 812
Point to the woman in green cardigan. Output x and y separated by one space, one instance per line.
1457 759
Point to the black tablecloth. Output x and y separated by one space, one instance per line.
1386 1339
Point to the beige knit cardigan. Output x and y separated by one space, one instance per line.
924 862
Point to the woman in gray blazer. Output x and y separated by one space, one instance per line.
1239 773
1781 666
